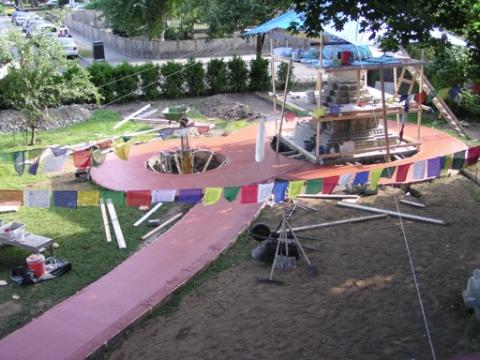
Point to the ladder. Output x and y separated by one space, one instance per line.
438 102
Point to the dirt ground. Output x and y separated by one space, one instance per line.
363 303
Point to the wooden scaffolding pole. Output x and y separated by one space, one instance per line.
319 88
419 98
395 93
384 109
283 105
274 90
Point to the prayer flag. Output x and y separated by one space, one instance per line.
329 184
122 150
19 162
279 190
374 177
117 197
138 198
388 172
447 162
402 171
37 198
53 163
88 198
190 196
98 157
58 151
33 169
473 154
165 195
458 160
82 159
419 170
314 186
434 166
360 178
34 153
231 193
249 194
295 188
345 179
212 195
11 197
264 192
65 199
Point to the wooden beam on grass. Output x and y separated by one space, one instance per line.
129 117
148 214
106 225
116 225
339 222
161 226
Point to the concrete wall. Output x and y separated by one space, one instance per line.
143 48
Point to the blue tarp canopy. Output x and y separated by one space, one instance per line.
350 32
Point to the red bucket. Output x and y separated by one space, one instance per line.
345 57
36 264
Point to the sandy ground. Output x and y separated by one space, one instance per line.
363 304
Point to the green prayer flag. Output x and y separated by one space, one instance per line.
212 195
98 157
230 193
388 172
295 188
117 197
448 162
314 186
34 153
374 177
19 162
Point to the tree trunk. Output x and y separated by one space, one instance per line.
260 42
33 134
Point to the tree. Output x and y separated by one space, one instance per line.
224 17
42 77
136 17
399 22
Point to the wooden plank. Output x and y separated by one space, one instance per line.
339 222
8 208
161 226
148 214
106 225
327 196
360 151
125 120
299 148
116 225
412 203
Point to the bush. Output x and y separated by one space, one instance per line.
102 77
259 75
282 76
217 76
194 75
172 81
150 78
127 82
237 75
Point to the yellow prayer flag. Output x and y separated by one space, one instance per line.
88 198
374 177
295 188
212 195
122 150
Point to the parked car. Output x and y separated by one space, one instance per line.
28 22
43 28
20 19
16 13
9 10
70 48
51 3
33 25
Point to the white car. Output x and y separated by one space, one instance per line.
42 28
70 48
28 25
20 19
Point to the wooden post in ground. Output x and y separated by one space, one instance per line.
419 96
274 90
385 125
283 105
319 88
395 93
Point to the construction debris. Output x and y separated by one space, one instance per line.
412 203
328 197
106 225
339 222
116 225
161 226
147 215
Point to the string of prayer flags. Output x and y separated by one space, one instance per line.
295 188
122 150
329 184
166 195
345 180
65 199
375 177
314 186
473 155
447 162
434 166
279 190
88 198
190 196
34 153
458 160
231 193
419 170
264 192
98 157
52 162
360 178
388 172
138 198
11 197
19 162
33 169
212 195
249 194
117 197
37 198
82 158
402 171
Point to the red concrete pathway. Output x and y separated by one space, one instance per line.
80 325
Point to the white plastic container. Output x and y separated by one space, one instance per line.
13 231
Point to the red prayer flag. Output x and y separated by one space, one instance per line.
402 171
329 184
82 159
249 194
138 198
472 155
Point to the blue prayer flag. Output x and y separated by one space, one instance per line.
65 199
